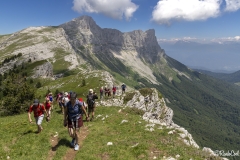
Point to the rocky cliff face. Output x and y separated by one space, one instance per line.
155 112
36 44
84 31
137 49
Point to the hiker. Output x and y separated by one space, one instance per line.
73 119
83 103
65 99
91 103
48 108
108 92
50 99
59 101
105 91
123 88
114 90
38 110
101 93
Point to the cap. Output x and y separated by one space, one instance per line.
80 99
90 90
36 102
66 93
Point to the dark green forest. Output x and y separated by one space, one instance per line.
17 88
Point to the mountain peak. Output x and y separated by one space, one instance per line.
85 18
83 22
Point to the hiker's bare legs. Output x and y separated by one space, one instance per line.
93 111
62 108
49 112
71 132
77 134
39 128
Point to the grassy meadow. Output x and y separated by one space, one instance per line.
123 127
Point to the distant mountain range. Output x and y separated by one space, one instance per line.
229 77
222 57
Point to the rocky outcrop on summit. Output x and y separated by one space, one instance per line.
137 49
84 31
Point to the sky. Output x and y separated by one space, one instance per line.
171 19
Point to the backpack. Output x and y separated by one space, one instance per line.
50 98
65 101
90 100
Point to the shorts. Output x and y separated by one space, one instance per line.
60 104
77 124
39 119
91 108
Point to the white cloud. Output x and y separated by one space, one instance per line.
189 10
227 39
232 5
116 9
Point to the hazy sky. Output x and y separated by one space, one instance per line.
189 19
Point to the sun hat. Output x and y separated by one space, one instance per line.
35 102
66 93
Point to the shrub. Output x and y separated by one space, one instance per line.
146 91
128 97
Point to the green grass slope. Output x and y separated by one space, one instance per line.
130 140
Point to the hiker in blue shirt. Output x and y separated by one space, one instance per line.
123 88
73 119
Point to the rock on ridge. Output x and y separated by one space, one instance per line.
155 108
155 112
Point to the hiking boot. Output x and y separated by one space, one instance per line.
76 148
73 142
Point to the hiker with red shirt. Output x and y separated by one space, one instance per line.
38 110
83 103
114 89
50 96
48 107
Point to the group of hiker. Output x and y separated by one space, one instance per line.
71 107
107 92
